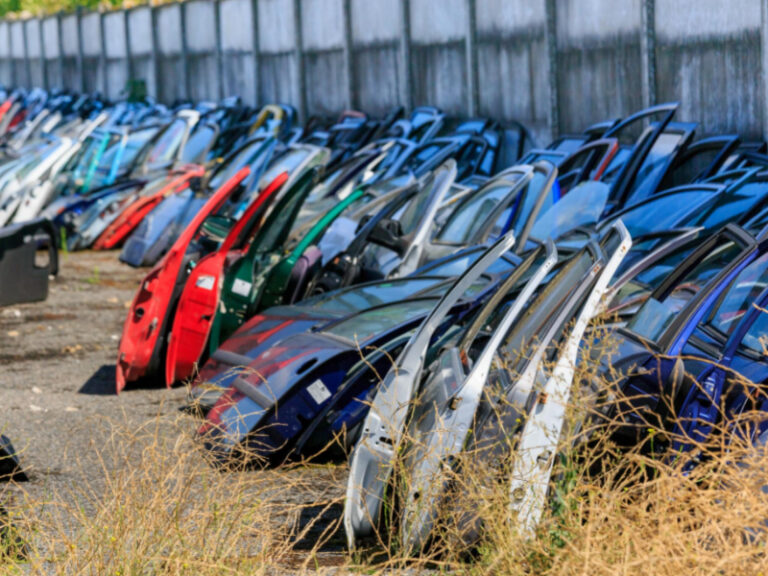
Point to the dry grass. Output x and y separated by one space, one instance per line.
155 507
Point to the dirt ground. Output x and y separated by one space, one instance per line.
57 378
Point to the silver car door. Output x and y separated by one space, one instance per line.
372 458
454 412
445 176
540 436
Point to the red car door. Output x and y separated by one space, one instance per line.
143 340
198 301
132 215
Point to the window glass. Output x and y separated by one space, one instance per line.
691 167
655 316
243 158
580 207
371 322
164 150
472 214
729 207
359 298
740 295
540 314
758 222
530 197
198 144
756 338
653 166
288 162
662 213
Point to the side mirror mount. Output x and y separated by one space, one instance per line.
196 184
363 221
389 234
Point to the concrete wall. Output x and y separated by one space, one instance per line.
555 65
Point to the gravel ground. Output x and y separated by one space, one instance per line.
57 366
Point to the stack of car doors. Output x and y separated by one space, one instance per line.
454 413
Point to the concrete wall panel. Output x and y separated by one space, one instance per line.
439 76
325 81
140 25
322 24
169 29
91 24
375 21
51 39
236 25
278 73
237 45
438 21
377 76
277 26
6 67
201 32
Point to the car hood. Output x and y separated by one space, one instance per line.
256 341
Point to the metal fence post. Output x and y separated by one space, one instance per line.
27 64
648 52
155 51
406 95
80 67
349 64
59 29
299 50
103 63
184 50
554 100
471 49
43 66
128 54
219 56
255 50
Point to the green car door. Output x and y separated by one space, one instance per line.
278 276
241 287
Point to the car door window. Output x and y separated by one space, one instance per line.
739 297
756 338
471 215
663 212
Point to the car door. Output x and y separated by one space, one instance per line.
202 291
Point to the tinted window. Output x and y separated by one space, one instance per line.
662 213
288 162
362 297
656 315
729 207
740 296
581 206
653 166
198 144
472 214
366 324
692 167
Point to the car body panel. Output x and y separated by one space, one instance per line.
200 298
146 325
372 458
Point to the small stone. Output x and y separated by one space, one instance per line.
71 409
36 390
35 408
13 334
